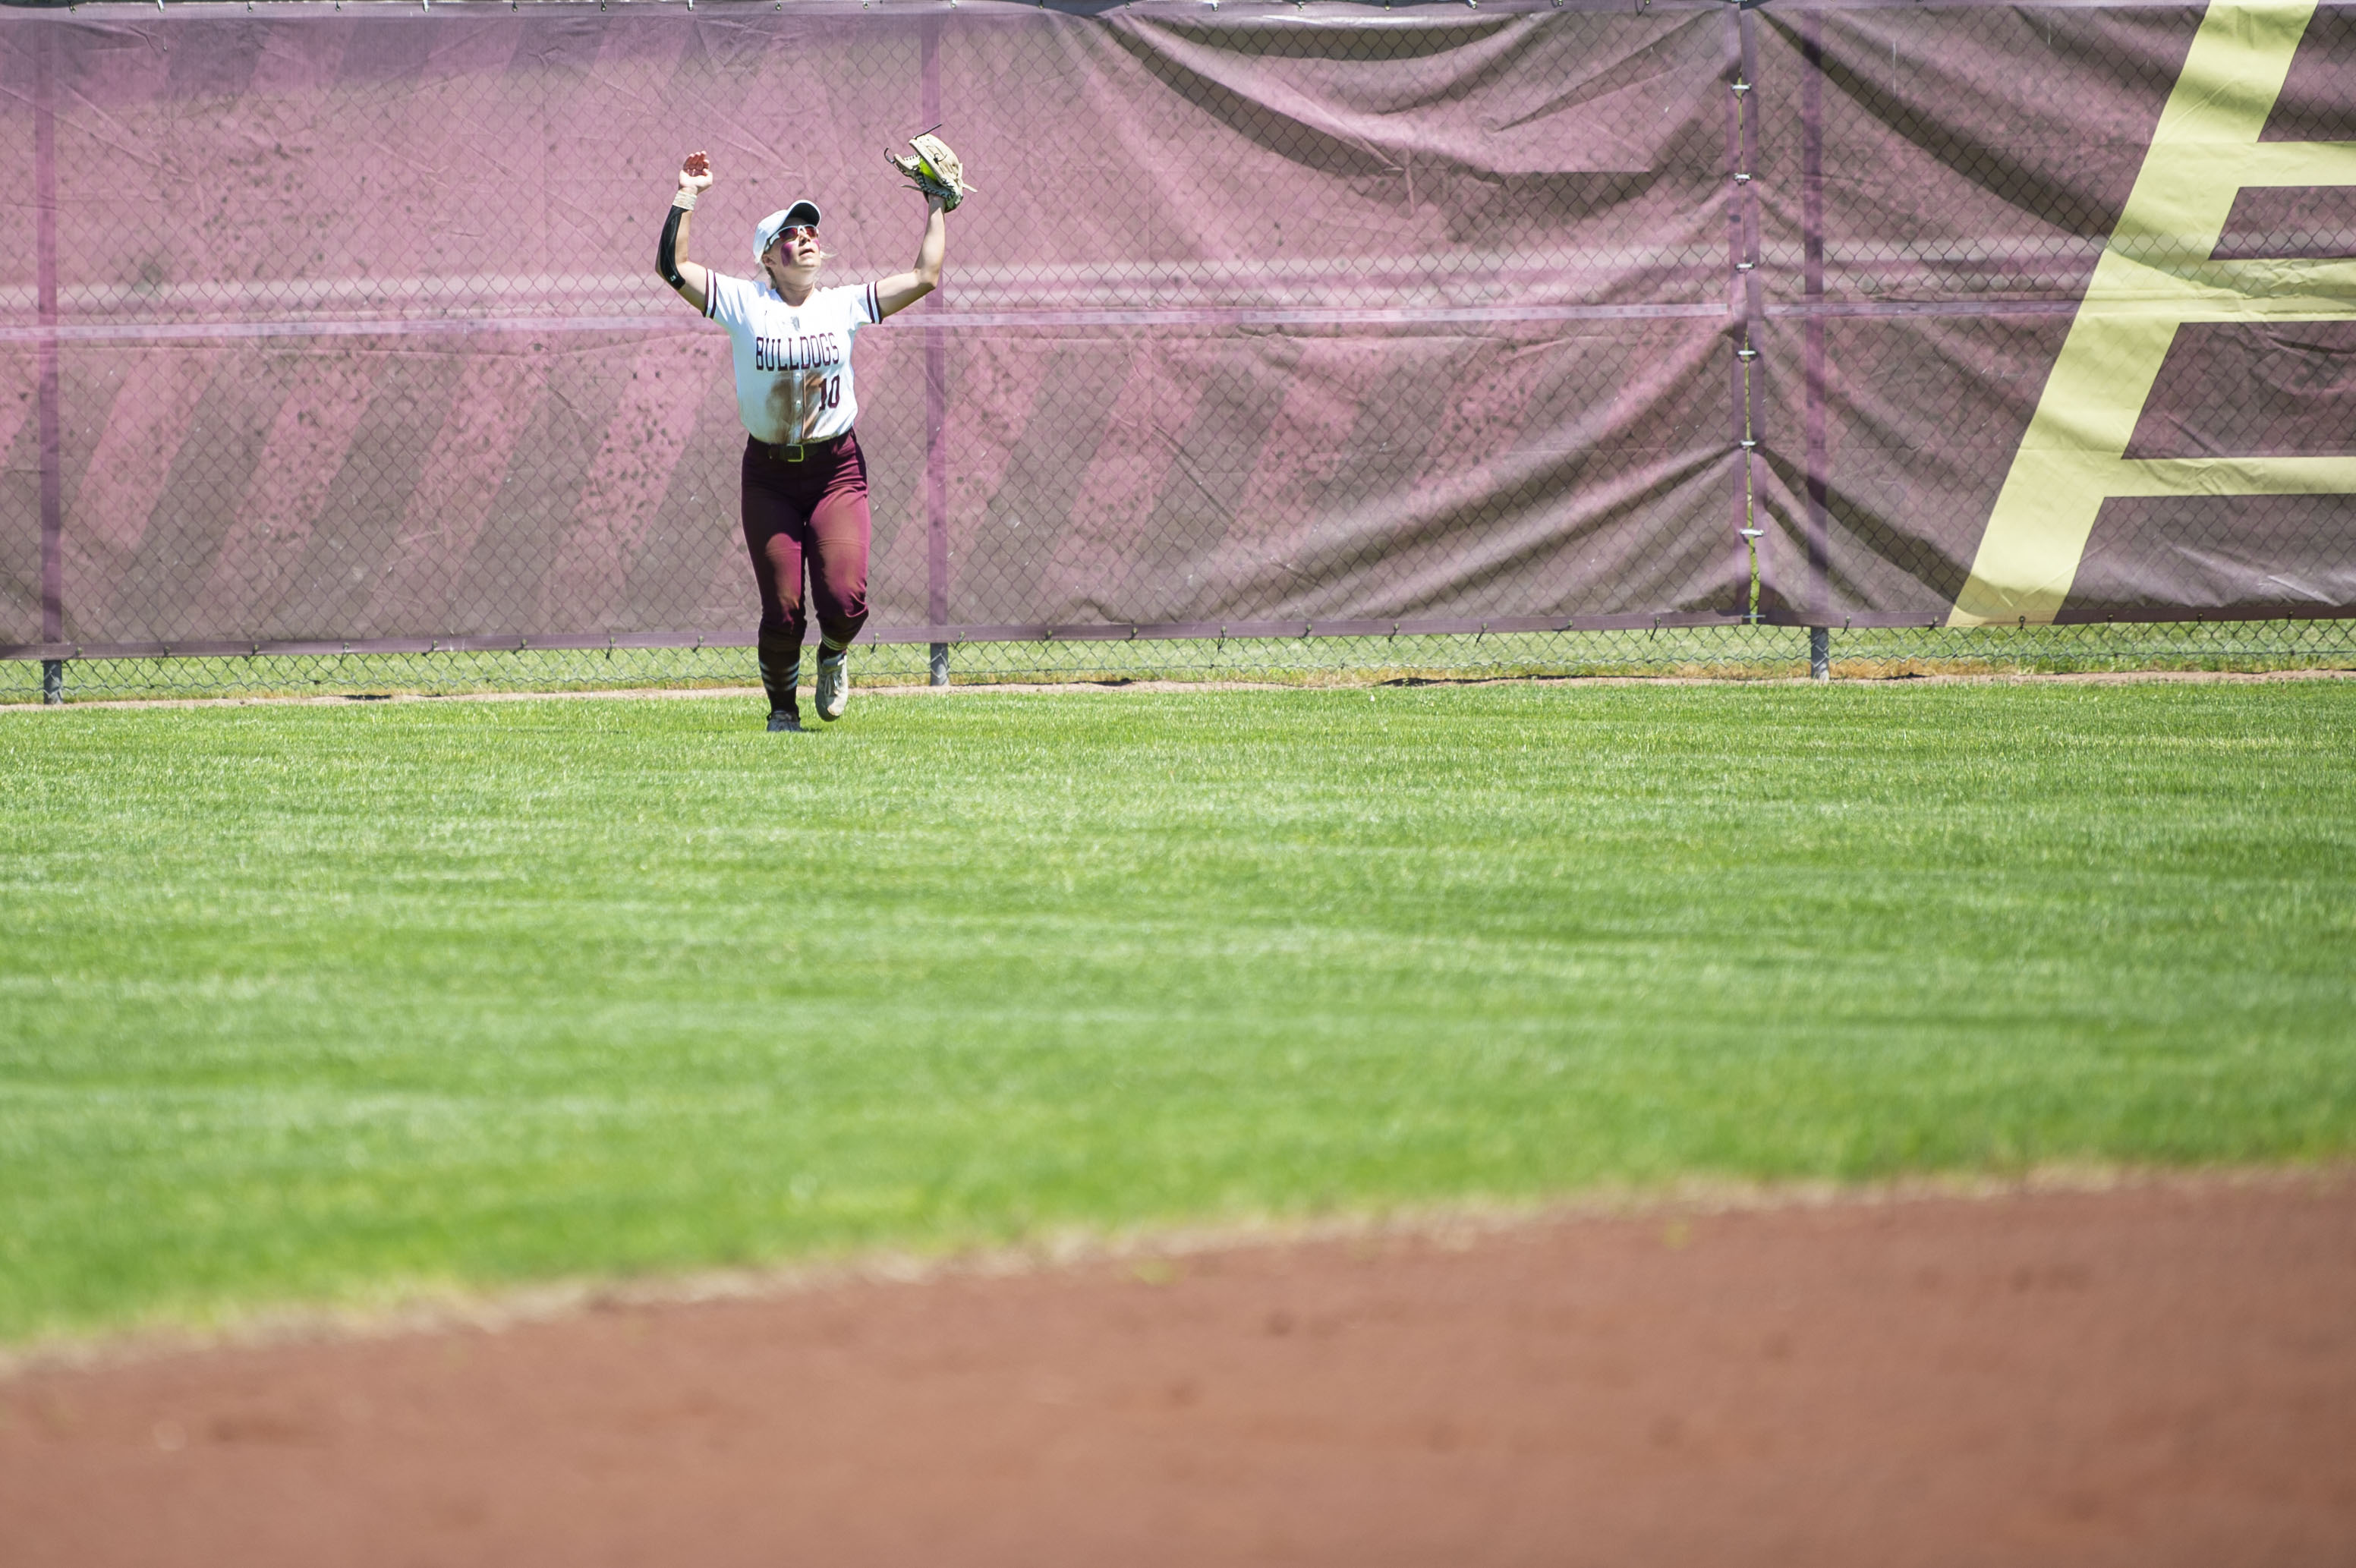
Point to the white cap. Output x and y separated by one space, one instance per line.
763 237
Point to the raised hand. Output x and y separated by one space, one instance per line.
695 172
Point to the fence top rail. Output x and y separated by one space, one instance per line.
1354 14
1319 13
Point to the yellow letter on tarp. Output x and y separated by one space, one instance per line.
2157 273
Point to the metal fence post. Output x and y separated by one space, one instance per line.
1820 653
1816 488
45 288
1747 292
937 385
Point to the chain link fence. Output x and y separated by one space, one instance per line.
1540 337
371 349
1722 653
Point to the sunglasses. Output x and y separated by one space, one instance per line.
798 231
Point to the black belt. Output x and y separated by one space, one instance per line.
794 450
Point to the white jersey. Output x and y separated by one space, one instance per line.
793 361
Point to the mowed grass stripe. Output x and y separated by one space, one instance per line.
332 1003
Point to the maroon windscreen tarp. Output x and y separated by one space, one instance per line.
339 326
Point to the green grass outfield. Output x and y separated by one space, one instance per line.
334 1002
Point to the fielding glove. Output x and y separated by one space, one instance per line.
935 170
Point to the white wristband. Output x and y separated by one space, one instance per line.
684 200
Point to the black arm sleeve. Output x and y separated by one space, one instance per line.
667 251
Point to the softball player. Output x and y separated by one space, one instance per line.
805 484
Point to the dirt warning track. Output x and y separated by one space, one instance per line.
2153 1375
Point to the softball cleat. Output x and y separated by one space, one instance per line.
833 684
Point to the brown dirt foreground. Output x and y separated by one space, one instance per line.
2156 1374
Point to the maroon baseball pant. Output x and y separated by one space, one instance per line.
812 513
